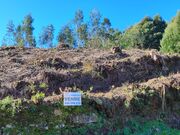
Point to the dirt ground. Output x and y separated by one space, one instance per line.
128 83
85 69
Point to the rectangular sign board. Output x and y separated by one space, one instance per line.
72 99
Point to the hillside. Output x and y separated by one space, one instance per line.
116 87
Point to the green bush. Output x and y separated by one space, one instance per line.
43 85
171 38
10 105
155 127
145 34
39 96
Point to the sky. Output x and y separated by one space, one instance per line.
122 13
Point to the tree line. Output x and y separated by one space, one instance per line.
97 32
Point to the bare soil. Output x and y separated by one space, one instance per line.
126 84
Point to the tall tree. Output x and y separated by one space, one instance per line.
158 31
145 34
83 33
171 38
9 38
19 36
47 36
106 24
95 18
105 28
103 32
114 36
28 29
78 20
66 36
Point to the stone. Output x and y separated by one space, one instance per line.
57 112
85 118
116 49
9 126
46 128
63 46
60 126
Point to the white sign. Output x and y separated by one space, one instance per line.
72 99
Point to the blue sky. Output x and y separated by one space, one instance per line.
122 13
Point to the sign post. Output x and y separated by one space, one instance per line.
72 99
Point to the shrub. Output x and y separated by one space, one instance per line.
43 85
171 38
10 105
39 96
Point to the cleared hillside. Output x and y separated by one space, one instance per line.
116 84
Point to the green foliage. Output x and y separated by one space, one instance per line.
78 19
42 119
19 36
171 39
43 85
101 35
127 104
144 101
10 105
81 29
32 88
95 18
97 33
27 28
83 33
133 37
47 36
66 36
39 96
9 38
94 34
22 35
106 37
134 127
105 28
145 34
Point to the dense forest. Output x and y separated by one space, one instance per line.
149 33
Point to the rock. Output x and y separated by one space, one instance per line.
46 127
98 101
53 99
116 49
63 46
32 125
9 126
157 58
57 112
108 103
60 126
85 118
